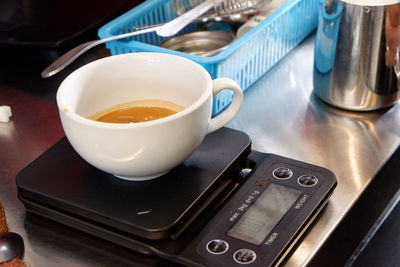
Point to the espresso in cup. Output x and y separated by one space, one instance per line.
137 111
139 151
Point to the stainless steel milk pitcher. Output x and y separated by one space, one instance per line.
357 53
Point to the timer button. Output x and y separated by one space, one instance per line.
307 180
217 246
244 256
282 173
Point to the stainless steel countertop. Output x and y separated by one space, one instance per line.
281 116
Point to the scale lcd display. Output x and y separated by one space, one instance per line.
262 216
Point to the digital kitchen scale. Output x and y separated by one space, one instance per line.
224 206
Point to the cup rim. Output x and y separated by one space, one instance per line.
73 115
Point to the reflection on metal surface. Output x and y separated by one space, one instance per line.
355 128
200 43
283 116
7 129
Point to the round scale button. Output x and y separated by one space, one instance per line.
244 256
307 180
282 173
217 246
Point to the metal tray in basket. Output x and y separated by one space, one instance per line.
245 60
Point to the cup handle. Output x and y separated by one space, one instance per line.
228 114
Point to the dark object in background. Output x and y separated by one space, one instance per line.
49 23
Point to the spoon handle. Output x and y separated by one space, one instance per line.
174 26
168 29
74 53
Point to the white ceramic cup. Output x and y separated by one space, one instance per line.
145 150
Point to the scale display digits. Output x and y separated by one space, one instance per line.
262 216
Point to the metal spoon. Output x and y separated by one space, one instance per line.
166 30
11 246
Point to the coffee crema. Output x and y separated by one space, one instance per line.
137 111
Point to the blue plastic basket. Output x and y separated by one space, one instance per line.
245 60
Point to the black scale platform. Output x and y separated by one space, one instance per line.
156 208
169 216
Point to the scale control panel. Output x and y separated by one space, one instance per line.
267 215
